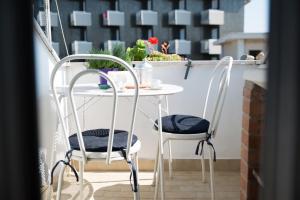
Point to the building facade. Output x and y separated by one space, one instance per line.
190 26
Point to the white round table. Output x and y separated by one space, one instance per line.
93 90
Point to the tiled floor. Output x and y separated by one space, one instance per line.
184 185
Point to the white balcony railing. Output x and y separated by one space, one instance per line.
81 47
81 18
212 17
208 46
181 47
113 18
41 18
55 46
180 17
147 18
109 44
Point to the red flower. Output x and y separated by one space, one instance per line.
153 40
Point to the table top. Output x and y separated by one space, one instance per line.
93 90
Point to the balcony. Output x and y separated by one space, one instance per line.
147 18
180 17
181 47
111 43
187 168
212 17
55 46
81 18
81 47
187 174
41 18
113 18
208 47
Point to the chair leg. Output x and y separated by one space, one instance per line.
60 180
81 169
156 186
137 195
203 165
156 174
211 169
136 160
159 181
155 168
161 170
170 160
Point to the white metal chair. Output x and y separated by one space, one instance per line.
99 144
202 129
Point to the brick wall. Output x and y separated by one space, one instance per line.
253 120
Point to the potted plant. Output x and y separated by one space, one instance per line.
106 65
138 52
145 50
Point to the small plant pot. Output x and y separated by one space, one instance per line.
103 81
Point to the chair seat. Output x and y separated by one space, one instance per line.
184 124
96 140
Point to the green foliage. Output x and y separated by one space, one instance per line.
141 51
158 56
118 51
100 64
137 52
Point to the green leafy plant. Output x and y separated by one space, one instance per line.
118 51
158 56
100 64
137 52
144 49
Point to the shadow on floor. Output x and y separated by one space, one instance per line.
123 191
71 190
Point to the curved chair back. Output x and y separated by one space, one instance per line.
74 109
94 57
221 76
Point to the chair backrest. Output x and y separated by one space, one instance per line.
74 110
73 81
221 76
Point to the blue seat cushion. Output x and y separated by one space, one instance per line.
96 140
184 124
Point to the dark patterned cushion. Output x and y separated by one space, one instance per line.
97 140
184 124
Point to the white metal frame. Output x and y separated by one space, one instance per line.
224 68
82 155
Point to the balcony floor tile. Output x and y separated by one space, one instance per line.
184 185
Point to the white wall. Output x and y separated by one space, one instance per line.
47 120
190 101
